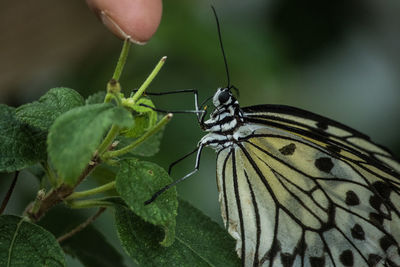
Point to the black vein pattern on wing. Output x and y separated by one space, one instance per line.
320 187
301 113
341 157
324 137
258 224
317 133
224 184
278 178
275 245
238 204
394 185
261 113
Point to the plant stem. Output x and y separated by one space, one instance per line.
113 92
149 79
9 193
122 59
153 130
114 131
81 226
90 192
89 203
58 194
38 201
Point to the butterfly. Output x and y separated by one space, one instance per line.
299 189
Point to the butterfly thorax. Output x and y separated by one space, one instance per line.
227 115
225 122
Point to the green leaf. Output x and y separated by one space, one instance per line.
41 114
75 135
136 182
26 244
96 98
144 117
89 245
23 131
104 174
140 126
92 249
20 144
148 148
199 241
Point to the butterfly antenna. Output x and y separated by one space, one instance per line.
222 47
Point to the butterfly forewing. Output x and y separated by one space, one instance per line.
311 125
303 190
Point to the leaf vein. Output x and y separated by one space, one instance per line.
195 252
12 242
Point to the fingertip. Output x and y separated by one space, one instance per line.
137 19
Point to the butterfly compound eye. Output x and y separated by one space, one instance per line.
223 97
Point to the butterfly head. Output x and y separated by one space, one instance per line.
227 115
223 97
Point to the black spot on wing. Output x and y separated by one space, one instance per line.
357 232
287 259
386 241
347 258
324 164
322 125
375 201
373 259
376 218
288 149
317 261
352 198
383 189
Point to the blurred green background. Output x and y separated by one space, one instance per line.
340 59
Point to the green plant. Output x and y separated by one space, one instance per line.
103 138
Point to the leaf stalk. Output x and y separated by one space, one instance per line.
122 59
126 149
93 191
149 79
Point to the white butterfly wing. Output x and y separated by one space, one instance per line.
294 200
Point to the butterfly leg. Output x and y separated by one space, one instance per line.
173 111
196 102
199 149
179 160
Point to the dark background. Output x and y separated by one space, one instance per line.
341 60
